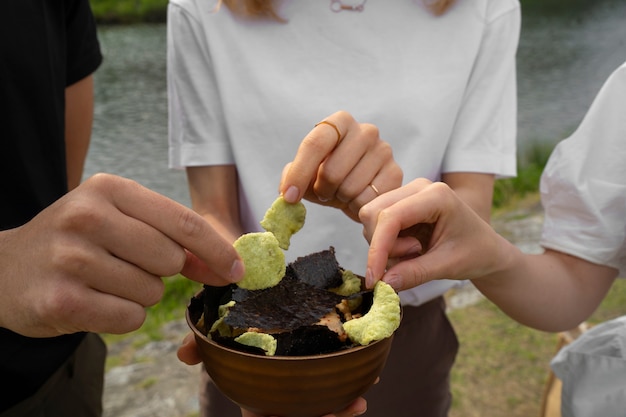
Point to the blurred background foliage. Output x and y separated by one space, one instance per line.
129 11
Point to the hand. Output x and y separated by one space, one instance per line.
343 169
189 352
422 232
94 259
358 407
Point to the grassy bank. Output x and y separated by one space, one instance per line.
530 166
502 366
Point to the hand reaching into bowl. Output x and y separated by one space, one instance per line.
341 163
422 232
93 260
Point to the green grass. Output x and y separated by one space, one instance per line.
129 11
502 366
178 291
530 166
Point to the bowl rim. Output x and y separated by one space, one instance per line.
320 356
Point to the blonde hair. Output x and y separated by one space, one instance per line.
439 7
265 8
251 8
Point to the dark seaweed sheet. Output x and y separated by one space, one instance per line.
319 269
284 307
309 340
289 311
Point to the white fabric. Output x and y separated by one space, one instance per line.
584 184
593 372
441 90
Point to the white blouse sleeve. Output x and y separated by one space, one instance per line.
484 136
583 187
197 133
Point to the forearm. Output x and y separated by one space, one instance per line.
229 228
551 291
475 189
213 191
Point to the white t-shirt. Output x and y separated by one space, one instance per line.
583 187
441 90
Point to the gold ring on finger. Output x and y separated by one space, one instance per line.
326 122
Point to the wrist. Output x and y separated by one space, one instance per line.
505 260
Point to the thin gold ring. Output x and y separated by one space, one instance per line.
326 122
375 189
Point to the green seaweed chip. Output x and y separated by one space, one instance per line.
351 284
261 340
219 326
263 259
380 321
283 219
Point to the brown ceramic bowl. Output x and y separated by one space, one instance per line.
291 386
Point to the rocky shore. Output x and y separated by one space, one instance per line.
156 384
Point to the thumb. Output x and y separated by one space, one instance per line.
188 351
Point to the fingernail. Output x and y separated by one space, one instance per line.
322 199
292 194
395 281
359 413
237 270
414 250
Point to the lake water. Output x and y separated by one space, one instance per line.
563 59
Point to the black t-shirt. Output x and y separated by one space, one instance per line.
45 46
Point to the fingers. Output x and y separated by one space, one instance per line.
334 126
386 217
370 213
455 242
352 164
170 219
357 408
314 148
82 309
125 237
340 173
188 351
106 274
389 177
92 261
